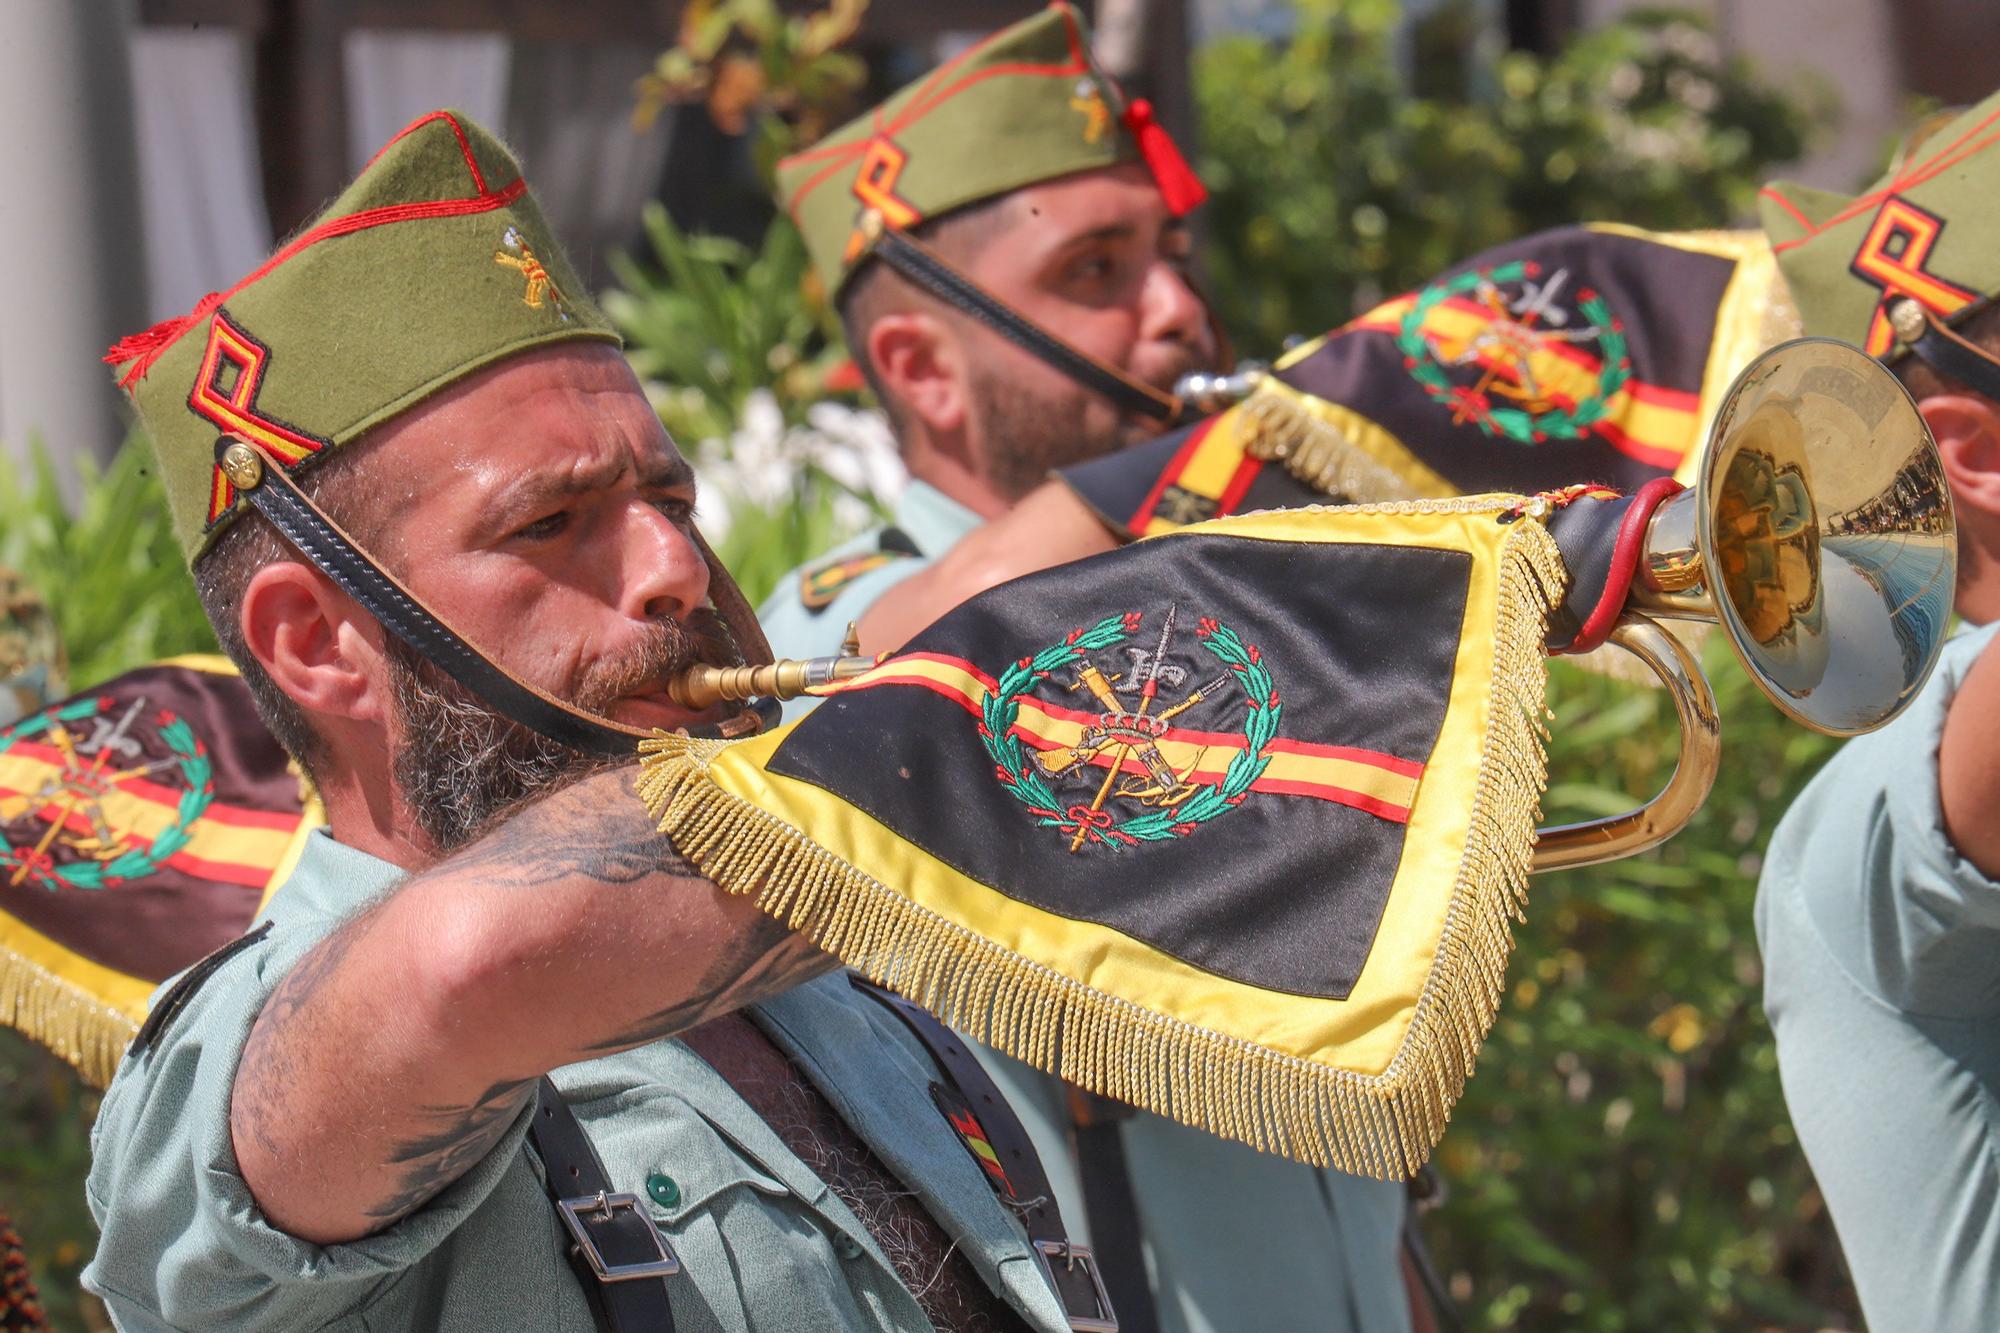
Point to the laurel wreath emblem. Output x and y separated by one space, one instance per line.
1514 423
191 760
1001 709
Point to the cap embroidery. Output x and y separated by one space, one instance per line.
225 392
1893 256
541 288
1089 103
875 186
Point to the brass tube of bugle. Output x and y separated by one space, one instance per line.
787 678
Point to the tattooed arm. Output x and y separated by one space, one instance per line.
400 1048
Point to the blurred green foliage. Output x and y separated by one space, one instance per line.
711 324
1622 1159
1333 187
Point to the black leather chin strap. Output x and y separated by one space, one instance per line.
1945 350
259 479
933 273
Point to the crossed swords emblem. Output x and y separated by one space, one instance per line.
79 789
1127 732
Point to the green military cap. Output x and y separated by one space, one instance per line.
1027 104
1926 230
435 262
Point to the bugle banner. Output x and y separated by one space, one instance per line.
1595 353
144 821
1228 824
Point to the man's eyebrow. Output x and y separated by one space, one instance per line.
529 490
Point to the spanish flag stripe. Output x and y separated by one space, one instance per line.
214 850
1142 516
1383 785
235 815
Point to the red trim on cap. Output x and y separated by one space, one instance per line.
1917 175
931 94
143 349
1769 193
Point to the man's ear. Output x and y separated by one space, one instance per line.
1967 430
921 364
315 643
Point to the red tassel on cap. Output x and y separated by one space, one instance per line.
143 349
1179 186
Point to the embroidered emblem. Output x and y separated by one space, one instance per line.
110 799
541 289
875 186
1089 103
1129 756
1500 349
821 584
225 392
1893 256
1181 506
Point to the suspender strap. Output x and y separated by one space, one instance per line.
929 270
306 526
980 1115
1098 1124
616 1252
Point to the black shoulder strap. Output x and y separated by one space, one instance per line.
977 1112
617 1253
191 981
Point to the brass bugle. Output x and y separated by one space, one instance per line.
1206 392
1819 536
786 678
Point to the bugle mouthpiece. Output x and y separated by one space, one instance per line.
786 678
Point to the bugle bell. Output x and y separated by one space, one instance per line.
1819 537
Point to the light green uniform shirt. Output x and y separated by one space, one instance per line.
1882 980
1235 1239
765 1244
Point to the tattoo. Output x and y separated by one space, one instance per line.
594 829
463 1135
268 1064
757 963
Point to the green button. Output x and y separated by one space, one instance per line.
663 1189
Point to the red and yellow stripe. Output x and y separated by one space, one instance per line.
230 844
1380 784
1647 422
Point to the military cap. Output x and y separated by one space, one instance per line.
1025 105
434 263
1925 230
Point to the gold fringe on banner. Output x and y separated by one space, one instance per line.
1382 1125
65 1017
1333 449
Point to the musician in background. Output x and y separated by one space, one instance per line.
1056 196
1879 907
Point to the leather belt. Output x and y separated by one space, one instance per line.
933 273
1071 1269
617 1253
263 481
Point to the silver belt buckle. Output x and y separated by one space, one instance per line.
608 1206
1100 1318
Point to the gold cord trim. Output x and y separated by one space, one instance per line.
64 1017
1358 460
1383 1125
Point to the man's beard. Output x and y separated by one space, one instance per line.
1029 437
460 765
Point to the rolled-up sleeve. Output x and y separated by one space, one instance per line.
183 1243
